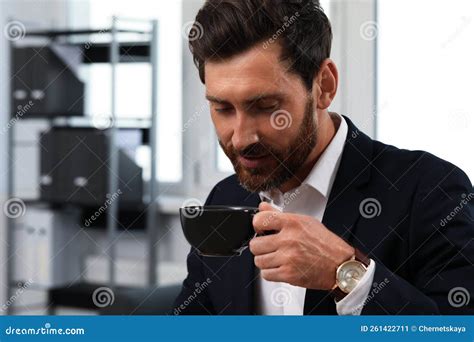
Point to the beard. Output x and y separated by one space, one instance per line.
284 163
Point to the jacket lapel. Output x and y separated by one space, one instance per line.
342 209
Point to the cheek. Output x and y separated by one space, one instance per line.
279 133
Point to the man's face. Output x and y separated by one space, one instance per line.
264 116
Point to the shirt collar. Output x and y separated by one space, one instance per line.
323 173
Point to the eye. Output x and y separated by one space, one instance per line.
269 108
223 110
268 105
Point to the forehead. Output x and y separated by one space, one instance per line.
256 70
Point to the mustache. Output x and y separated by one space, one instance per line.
254 150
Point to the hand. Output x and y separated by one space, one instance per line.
302 252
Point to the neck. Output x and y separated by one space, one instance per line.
326 131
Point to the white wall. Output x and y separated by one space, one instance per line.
354 54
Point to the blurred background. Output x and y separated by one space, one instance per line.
105 133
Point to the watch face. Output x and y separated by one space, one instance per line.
349 274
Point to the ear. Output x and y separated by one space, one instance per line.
325 84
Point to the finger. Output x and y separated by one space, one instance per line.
273 274
268 220
269 260
265 206
263 244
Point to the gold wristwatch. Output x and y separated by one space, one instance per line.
349 273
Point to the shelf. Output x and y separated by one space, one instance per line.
87 121
124 300
79 295
130 52
166 204
59 33
30 287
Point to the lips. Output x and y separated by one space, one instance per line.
253 162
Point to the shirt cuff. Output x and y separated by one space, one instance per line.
353 303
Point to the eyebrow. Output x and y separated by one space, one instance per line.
215 99
249 100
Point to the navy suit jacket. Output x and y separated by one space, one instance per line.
422 239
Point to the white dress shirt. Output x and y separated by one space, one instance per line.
310 198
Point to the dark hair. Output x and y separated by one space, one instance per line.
224 28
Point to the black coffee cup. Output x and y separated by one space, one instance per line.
218 230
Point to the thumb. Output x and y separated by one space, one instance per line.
264 206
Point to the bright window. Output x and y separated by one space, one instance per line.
425 69
133 80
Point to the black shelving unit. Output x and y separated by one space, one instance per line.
112 52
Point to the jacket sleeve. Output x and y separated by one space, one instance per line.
440 260
193 298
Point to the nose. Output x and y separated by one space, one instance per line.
245 131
